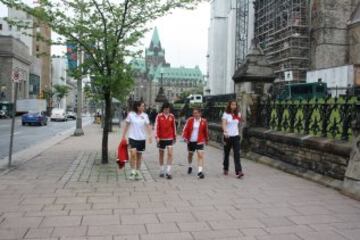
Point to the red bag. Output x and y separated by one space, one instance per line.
122 154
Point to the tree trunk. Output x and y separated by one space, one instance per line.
107 118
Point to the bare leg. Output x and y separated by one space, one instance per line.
139 158
200 158
190 157
161 157
170 156
133 158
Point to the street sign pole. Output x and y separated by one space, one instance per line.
13 124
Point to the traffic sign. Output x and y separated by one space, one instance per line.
17 75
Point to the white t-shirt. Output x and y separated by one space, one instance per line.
232 125
195 132
138 124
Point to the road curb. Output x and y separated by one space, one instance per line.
27 154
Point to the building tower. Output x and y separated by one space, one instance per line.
155 54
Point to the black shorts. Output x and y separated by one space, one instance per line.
139 145
163 144
194 146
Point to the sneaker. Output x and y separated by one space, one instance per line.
138 175
201 175
239 174
226 172
132 176
168 176
161 175
189 170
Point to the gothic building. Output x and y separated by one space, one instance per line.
150 71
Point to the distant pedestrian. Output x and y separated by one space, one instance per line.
165 134
137 122
153 115
196 135
231 120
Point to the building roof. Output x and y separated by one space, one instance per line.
181 73
155 40
138 64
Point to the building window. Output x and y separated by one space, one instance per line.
37 48
1 27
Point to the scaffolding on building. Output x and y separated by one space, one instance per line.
282 30
242 24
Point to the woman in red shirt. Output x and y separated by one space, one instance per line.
165 134
196 135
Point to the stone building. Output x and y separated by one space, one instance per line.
151 70
13 54
301 35
354 37
333 32
40 52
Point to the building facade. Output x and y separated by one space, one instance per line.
59 76
333 25
153 69
13 54
282 30
39 51
302 35
230 34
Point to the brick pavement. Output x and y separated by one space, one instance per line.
65 193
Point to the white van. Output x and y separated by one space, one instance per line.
195 98
58 114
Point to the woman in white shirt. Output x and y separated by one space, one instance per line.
137 122
231 120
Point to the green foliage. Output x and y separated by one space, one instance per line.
60 91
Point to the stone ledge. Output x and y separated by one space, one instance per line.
295 170
316 143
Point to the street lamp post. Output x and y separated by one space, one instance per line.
161 98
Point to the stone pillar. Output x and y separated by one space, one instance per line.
352 175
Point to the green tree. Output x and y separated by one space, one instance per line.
107 31
48 95
60 91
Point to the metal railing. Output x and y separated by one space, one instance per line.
329 118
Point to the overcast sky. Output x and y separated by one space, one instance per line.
183 34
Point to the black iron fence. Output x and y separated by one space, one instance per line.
330 117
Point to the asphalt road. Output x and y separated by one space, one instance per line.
26 136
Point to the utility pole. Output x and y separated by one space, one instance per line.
16 77
79 131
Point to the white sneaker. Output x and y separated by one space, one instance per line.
138 175
132 175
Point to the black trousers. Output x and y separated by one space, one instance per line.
232 143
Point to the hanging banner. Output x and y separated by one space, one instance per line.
72 56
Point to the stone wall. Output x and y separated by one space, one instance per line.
329 33
322 156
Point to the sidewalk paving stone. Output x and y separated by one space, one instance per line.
66 193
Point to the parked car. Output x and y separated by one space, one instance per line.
34 118
71 115
58 114
3 114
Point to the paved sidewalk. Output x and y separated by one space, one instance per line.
65 193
